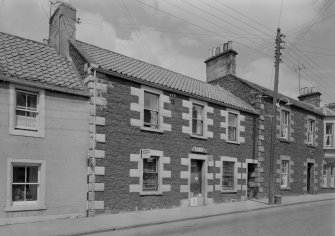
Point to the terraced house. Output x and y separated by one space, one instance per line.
43 133
299 145
158 138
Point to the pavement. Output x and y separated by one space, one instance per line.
109 222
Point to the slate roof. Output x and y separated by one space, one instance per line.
326 111
32 63
131 67
270 92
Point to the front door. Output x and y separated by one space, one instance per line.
196 183
252 189
310 178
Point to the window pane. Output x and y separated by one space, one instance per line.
18 192
151 101
150 165
232 120
329 128
150 118
228 175
197 112
150 174
31 192
32 174
21 99
18 174
232 133
197 127
32 101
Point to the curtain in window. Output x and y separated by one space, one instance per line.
329 135
284 174
151 110
150 174
284 124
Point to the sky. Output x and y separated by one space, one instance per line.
177 34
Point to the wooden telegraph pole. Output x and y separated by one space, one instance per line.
274 117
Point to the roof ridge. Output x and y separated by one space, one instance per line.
31 40
186 76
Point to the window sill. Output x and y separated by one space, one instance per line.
311 146
151 130
285 188
198 136
26 208
233 142
150 193
284 140
229 191
25 132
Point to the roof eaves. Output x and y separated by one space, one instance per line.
37 84
148 83
269 93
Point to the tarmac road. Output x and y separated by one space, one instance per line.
310 219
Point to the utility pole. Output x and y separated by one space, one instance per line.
299 69
274 116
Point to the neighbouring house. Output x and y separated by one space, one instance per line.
299 144
43 133
328 167
158 138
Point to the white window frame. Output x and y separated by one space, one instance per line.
159 155
26 205
324 176
159 93
331 135
157 111
332 176
287 174
236 127
283 125
204 115
228 159
311 133
40 118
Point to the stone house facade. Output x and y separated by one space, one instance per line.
299 149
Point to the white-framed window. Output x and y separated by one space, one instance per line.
197 119
332 176
151 110
150 174
232 127
284 173
25 185
324 175
311 132
329 135
228 174
284 124
26 111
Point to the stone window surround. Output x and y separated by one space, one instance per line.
139 107
138 172
40 111
240 128
29 206
206 121
228 159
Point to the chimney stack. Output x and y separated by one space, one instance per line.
221 62
308 95
62 28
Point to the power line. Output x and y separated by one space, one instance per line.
137 32
193 24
